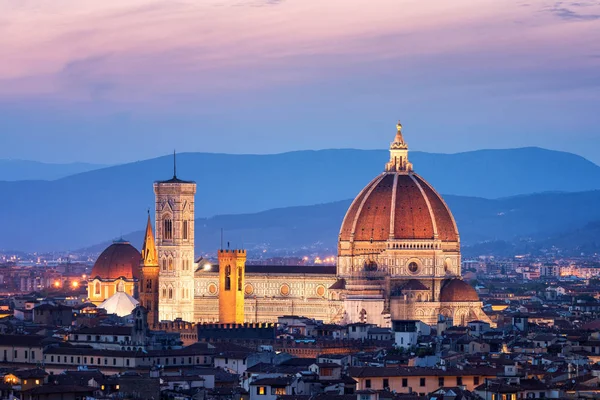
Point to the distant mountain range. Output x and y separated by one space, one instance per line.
519 224
91 207
23 170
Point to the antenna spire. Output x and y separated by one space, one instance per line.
174 164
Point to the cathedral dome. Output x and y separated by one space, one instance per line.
120 259
398 205
458 290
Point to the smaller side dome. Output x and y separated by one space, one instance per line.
414 284
120 259
457 290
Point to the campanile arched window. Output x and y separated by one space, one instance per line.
228 277
168 229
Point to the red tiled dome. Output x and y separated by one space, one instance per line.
120 259
398 206
458 290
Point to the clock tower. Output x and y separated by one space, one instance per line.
175 246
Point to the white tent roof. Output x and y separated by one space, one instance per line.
119 303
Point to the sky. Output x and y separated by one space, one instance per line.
118 81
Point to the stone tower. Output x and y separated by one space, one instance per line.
148 288
175 244
232 265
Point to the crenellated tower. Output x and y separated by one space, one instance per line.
175 245
232 265
149 270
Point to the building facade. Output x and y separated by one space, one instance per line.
398 258
175 245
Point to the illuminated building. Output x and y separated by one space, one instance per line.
398 258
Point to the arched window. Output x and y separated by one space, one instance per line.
168 228
228 277
164 293
164 264
121 286
149 284
97 288
170 264
239 279
170 293
185 230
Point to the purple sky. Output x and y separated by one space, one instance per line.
114 81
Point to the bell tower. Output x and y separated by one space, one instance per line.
148 289
175 245
232 266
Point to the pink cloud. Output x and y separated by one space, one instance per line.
146 53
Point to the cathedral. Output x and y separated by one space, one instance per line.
398 259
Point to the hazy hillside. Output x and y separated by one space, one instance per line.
523 223
90 207
20 170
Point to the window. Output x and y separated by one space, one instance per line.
185 230
170 264
16 354
422 382
441 381
148 305
386 383
52 358
164 264
97 288
278 391
127 362
404 382
239 279
476 380
149 284
261 390
413 267
114 361
459 380
170 293
25 353
168 226
368 383
164 293
228 277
